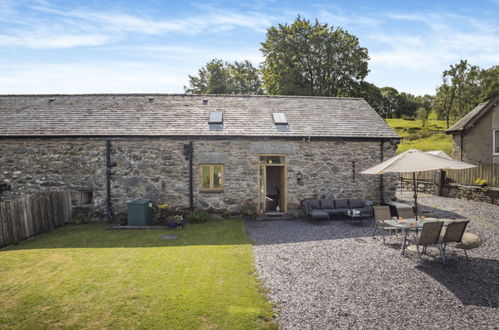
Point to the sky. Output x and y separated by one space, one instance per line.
151 46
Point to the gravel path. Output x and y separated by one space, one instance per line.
334 275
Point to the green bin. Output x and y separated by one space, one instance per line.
140 212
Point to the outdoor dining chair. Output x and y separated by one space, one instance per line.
452 234
430 235
405 212
382 213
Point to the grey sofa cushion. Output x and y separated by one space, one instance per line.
332 211
341 203
319 214
327 204
314 204
356 203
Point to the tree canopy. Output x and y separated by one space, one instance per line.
316 59
312 59
219 77
463 87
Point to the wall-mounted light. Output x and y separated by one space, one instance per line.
298 176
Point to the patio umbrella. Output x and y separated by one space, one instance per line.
439 153
414 160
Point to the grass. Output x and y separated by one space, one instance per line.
415 136
84 276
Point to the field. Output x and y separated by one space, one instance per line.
430 137
84 276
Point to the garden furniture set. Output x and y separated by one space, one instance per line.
327 209
437 232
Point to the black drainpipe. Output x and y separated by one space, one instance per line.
109 165
191 194
189 155
461 147
381 179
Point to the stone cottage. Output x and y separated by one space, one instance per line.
220 152
475 137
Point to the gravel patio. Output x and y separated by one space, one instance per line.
334 275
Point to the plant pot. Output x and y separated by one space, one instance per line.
172 224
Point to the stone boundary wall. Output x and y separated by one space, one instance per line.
474 193
157 169
429 187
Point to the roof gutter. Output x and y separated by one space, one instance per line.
200 137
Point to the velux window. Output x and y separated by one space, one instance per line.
212 177
280 121
216 121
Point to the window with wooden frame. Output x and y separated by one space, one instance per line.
212 177
82 198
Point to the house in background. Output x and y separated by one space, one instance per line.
475 137
219 152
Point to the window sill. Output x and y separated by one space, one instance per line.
211 191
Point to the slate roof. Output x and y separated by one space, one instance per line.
186 115
473 116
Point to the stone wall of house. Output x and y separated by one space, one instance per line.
157 169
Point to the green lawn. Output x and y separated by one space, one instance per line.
84 276
429 137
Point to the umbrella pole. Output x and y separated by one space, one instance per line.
415 195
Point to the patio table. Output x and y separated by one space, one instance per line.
411 223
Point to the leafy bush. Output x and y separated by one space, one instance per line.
165 212
198 216
176 219
481 182
79 217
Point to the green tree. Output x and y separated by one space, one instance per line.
219 77
312 59
407 106
489 86
425 106
390 102
422 114
460 91
372 94
426 101
244 78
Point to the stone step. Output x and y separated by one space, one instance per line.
274 215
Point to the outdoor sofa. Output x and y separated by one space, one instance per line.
324 209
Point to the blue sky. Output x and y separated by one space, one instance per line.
51 46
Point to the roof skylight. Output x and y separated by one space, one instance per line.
216 117
279 118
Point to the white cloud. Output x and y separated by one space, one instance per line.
199 55
412 56
406 49
92 28
52 40
92 77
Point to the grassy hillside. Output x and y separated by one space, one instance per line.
430 137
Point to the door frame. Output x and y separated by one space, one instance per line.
262 178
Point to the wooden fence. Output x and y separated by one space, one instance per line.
30 215
489 172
